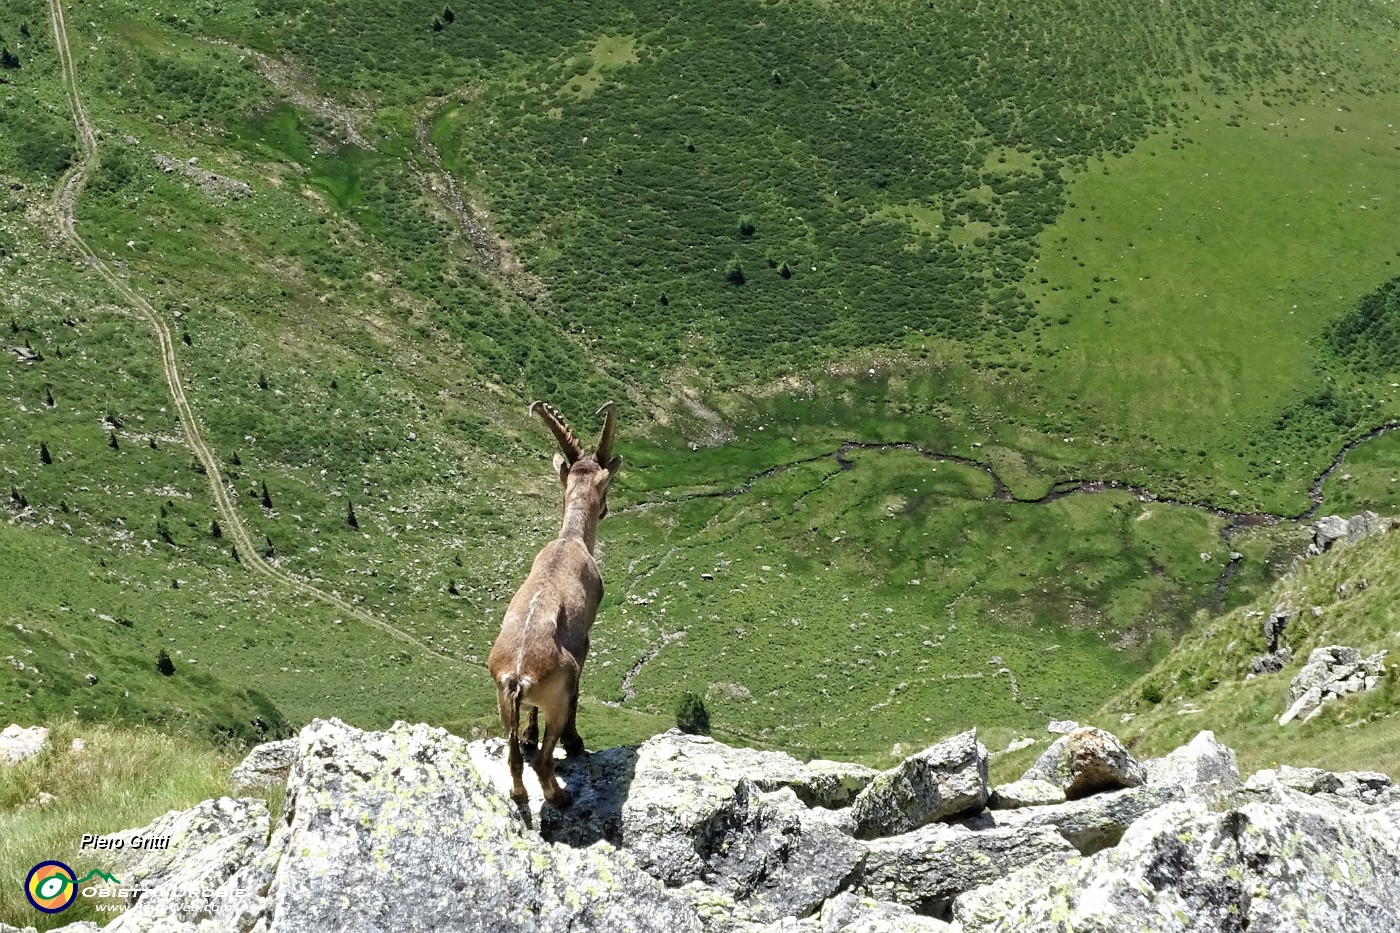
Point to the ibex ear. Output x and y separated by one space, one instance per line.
561 466
613 466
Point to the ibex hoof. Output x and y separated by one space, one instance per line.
560 799
520 799
575 748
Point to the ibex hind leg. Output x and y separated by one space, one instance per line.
508 697
530 743
573 742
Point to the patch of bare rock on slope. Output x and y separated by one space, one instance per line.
411 829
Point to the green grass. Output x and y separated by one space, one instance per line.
120 778
344 343
1207 672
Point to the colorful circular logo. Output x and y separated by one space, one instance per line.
51 887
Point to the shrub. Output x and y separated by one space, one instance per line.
691 715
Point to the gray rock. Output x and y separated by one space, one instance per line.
831 784
1087 761
404 811
1061 726
267 765
18 743
82 926
602 781
1184 869
1203 768
1329 530
692 809
1019 794
184 885
1331 672
1269 663
1359 789
1090 825
981 908
927 868
850 913
943 780
1333 529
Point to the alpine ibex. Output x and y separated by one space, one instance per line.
539 655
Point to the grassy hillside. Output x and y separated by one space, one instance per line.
1121 281
1349 596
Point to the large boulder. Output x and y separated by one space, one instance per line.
601 781
1186 869
1087 761
691 809
941 781
267 765
850 913
1201 768
396 830
189 882
1091 824
1018 794
18 743
1332 671
927 868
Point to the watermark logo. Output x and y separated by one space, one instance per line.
52 886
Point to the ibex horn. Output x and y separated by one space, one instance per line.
605 443
568 444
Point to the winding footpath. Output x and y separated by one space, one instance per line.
64 201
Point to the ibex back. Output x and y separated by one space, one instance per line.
539 655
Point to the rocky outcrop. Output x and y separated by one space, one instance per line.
1331 672
412 829
1025 793
943 780
18 743
1333 529
267 765
1186 869
1084 762
927 868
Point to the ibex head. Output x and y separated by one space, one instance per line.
573 463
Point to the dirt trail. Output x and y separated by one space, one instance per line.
64 201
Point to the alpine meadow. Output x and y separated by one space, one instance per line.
977 362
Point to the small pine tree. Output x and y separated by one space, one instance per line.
235 459
234 552
164 664
691 715
664 300
452 588
112 441
350 518
185 339
262 380
335 385
734 272
785 271
746 226
266 499
215 530
44 456
448 16
268 551
48 397
153 444
437 25
163 530
9 60
24 30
